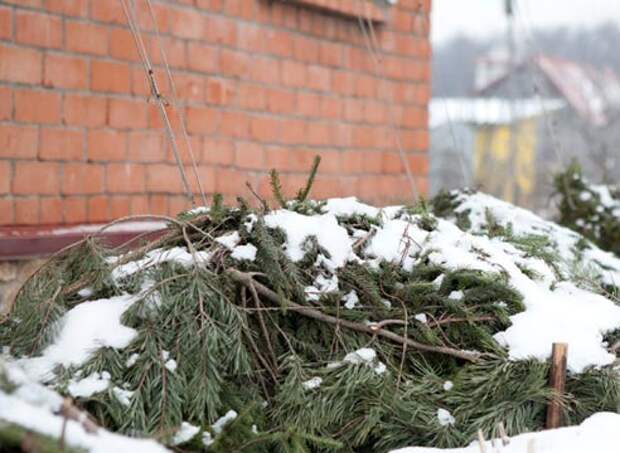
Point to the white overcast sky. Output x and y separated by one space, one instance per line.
482 17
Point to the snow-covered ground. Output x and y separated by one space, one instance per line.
600 433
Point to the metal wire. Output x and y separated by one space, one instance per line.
159 99
175 102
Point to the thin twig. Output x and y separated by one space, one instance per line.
310 312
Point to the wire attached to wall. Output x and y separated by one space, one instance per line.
161 101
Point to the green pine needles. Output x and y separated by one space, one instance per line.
209 342
591 210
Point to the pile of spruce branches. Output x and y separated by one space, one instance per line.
591 210
246 338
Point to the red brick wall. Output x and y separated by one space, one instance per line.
263 83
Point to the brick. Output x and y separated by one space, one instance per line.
220 91
158 204
366 86
281 101
234 124
122 46
392 163
120 206
37 106
6 23
203 120
354 110
50 211
183 147
249 155
292 73
300 160
106 145
125 178
128 114
250 38
203 58
306 49
98 209
353 162
177 204
139 204
252 97
6 103
330 54
155 120
221 31
308 104
18 141
277 157
5 177
343 82
61 144
228 181
107 12
189 87
163 179
175 51
75 8
278 43
419 164
331 162
185 23
61 71
80 178
264 70
84 110
146 146
264 129
218 151
86 38
206 174
74 209
38 29
292 131
22 65
26 211
7 211
233 63
36 178
110 76
317 134
331 107
318 78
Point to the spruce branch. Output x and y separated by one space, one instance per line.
276 187
302 195
310 312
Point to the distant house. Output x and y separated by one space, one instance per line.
470 144
557 109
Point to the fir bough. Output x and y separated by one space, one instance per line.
591 210
209 344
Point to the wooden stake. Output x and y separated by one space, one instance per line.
557 380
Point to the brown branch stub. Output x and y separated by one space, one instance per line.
557 381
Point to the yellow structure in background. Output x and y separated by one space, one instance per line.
500 172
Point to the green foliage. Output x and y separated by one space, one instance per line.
303 193
582 208
234 349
